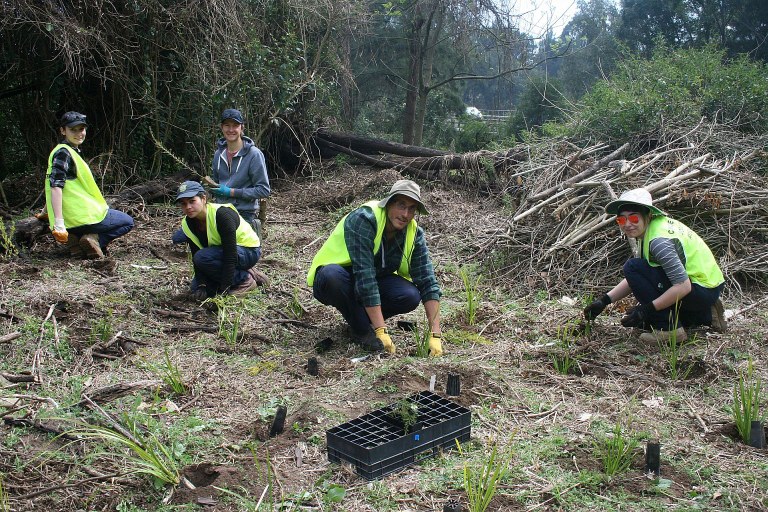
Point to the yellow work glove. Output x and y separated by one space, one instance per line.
60 231
381 333
435 345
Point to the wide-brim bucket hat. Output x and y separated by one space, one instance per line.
405 188
636 196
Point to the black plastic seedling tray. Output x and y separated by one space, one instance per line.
376 447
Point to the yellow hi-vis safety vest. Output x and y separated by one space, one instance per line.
81 201
334 250
700 264
245 235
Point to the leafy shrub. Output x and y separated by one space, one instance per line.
680 86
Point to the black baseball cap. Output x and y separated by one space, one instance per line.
70 119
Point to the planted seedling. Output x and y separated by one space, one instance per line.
471 294
421 340
746 401
615 450
672 351
481 481
171 375
563 359
405 414
8 249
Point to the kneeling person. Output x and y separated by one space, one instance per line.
224 246
375 264
77 212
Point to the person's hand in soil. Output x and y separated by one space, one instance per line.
596 307
435 345
383 335
637 316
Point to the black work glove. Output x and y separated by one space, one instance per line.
637 316
200 294
596 307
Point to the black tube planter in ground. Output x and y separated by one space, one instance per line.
757 435
312 366
653 458
406 325
278 424
453 386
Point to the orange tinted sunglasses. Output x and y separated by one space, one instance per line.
634 218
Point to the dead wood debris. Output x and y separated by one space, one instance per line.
559 234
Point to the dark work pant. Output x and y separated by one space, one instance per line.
648 283
335 286
114 225
208 264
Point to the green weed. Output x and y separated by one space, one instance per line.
746 401
563 360
672 352
8 249
615 451
421 340
480 483
103 329
229 316
471 294
295 308
147 456
171 375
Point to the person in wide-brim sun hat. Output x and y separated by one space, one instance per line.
676 278
375 265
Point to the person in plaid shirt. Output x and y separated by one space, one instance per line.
376 264
77 212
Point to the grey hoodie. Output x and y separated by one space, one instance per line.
247 175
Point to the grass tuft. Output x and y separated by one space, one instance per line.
746 401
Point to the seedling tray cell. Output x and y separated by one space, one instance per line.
377 448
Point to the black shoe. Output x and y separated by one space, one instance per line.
369 341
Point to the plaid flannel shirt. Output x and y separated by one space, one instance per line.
359 234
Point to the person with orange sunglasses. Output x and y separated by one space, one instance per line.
676 279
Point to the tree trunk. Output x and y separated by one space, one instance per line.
372 146
431 38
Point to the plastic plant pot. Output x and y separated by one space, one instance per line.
756 434
312 366
453 386
653 458
452 505
406 325
278 424
323 345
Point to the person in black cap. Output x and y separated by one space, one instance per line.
375 264
239 170
224 246
676 279
76 210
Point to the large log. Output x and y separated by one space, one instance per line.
429 166
372 146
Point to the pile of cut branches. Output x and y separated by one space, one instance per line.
559 237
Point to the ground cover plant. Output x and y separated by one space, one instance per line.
90 331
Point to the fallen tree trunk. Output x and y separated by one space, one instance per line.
371 146
428 166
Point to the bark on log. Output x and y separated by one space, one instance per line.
371 146
430 166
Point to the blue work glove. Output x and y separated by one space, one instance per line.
637 316
222 190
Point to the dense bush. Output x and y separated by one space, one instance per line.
679 87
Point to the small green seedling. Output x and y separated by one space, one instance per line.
615 451
746 401
405 412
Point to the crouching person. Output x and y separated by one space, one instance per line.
375 264
77 212
224 247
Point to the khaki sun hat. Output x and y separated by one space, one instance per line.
636 196
405 188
